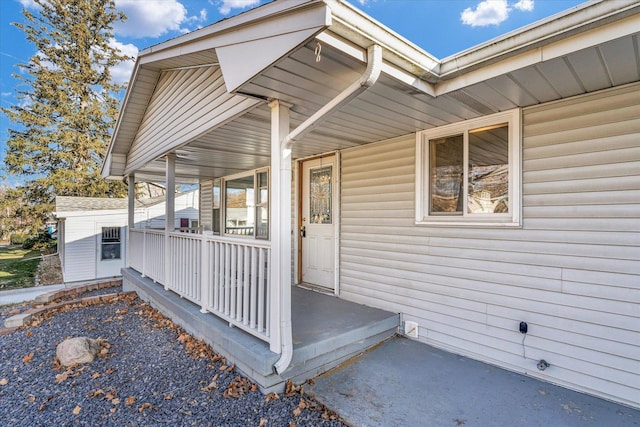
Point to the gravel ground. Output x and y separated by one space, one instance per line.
149 372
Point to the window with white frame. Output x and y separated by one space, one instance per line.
468 173
246 204
110 243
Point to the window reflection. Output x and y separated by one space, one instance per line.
239 206
488 186
447 155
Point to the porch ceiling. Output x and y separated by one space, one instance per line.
401 102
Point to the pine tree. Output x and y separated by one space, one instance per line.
67 107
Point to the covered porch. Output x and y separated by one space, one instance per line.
255 96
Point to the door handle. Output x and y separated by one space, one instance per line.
303 231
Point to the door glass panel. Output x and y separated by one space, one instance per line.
320 195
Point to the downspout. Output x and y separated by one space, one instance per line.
368 79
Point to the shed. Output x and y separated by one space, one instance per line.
92 231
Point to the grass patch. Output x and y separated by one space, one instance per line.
15 273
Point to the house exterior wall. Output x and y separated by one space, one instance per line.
572 271
186 206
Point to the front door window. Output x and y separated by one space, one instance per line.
320 195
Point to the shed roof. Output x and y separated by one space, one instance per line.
77 204
66 204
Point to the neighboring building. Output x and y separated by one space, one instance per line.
92 231
497 186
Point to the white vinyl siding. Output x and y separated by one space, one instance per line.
572 272
80 249
185 105
186 206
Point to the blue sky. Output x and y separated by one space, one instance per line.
441 27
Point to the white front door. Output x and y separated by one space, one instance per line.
318 222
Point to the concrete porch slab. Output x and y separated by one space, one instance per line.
326 332
407 383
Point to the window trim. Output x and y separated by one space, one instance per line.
110 242
223 202
422 196
266 203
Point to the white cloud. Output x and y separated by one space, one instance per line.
4 94
492 12
150 18
198 20
29 4
227 5
121 73
487 12
524 5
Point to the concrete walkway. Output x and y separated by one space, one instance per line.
16 296
406 383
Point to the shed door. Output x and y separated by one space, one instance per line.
317 222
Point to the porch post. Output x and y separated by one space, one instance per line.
169 214
131 211
170 195
280 223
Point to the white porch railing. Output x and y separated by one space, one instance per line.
226 276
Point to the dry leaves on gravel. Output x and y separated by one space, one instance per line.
238 387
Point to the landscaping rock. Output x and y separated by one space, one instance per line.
75 351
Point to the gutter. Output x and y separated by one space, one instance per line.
366 80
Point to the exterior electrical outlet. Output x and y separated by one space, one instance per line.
411 329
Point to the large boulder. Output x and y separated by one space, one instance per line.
74 351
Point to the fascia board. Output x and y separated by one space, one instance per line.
232 30
106 164
565 46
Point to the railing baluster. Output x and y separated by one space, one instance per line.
267 284
261 295
245 284
254 290
239 283
234 281
227 278
216 276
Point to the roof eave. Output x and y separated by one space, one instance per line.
352 24
558 27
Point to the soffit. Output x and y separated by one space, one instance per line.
399 103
